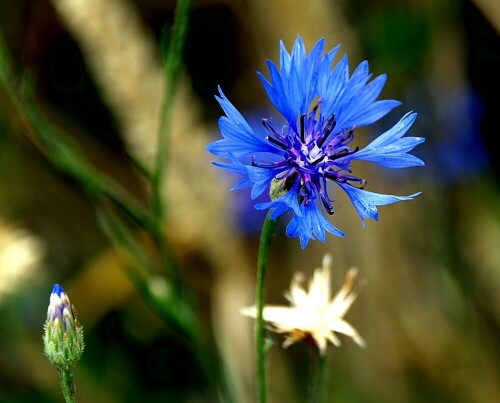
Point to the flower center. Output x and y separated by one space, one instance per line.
311 154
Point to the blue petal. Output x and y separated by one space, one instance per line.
289 201
284 57
349 97
237 143
372 113
365 96
292 88
394 161
323 74
296 93
280 92
331 86
366 202
390 149
261 177
298 54
239 169
311 224
238 137
58 290
234 166
274 96
278 209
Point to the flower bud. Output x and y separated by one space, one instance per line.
63 336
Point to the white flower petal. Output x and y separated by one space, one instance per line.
341 326
312 314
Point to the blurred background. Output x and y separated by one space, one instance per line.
429 304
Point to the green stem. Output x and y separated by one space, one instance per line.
317 376
265 239
68 390
172 69
173 65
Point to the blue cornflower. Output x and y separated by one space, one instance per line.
322 108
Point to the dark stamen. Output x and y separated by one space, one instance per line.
342 154
318 160
350 178
277 142
314 110
309 189
270 128
329 126
362 182
349 138
302 128
341 178
326 203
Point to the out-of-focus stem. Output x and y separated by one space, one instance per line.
172 69
318 363
268 229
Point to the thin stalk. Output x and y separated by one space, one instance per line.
62 155
66 379
172 69
317 377
268 229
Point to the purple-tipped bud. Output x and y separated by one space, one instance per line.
63 336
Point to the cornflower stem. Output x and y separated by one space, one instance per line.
268 229
66 379
318 363
173 63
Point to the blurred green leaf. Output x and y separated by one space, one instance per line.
157 290
172 62
126 243
63 155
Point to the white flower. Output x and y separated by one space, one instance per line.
313 315
21 256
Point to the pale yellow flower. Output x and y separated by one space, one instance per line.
21 254
313 314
